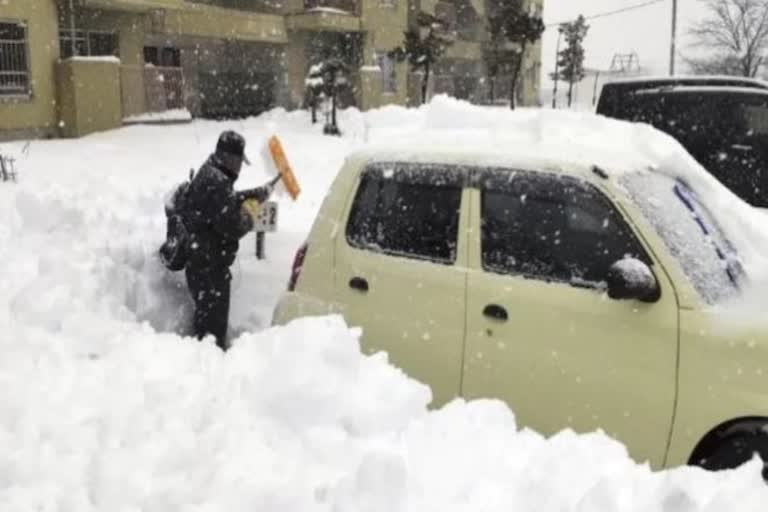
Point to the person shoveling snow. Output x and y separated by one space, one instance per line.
206 220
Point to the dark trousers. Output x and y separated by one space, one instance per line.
210 292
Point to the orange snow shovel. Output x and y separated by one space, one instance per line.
283 167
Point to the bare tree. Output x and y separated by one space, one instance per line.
736 33
570 60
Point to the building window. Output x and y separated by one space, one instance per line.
388 79
88 43
166 57
14 67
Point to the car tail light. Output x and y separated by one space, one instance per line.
298 262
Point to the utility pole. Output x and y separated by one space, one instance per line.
594 90
672 50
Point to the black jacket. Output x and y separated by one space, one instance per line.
214 218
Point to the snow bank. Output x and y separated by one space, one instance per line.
166 116
104 406
293 419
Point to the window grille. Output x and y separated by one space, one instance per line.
14 66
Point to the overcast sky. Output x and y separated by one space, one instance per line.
645 31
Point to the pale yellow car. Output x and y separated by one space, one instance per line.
584 297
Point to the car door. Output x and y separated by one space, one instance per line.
401 269
542 333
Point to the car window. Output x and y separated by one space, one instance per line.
409 211
552 228
690 232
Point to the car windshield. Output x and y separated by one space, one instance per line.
690 232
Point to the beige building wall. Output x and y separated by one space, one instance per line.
379 24
384 22
298 65
89 95
33 114
131 29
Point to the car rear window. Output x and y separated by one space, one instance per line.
407 210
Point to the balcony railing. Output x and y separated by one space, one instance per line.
346 6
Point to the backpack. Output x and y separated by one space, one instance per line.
174 252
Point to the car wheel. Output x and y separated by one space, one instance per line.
734 451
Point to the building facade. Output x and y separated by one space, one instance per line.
70 67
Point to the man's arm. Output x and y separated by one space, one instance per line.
260 194
227 217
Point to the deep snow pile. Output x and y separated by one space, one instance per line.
104 407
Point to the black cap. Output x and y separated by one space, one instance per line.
233 143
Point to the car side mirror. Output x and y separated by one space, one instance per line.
631 279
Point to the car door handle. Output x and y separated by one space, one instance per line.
496 312
358 283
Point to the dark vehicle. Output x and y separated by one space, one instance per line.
722 122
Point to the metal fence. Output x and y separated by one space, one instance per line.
164 88
14 73
147 88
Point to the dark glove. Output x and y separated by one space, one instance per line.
260 194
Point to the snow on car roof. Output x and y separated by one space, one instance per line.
571 142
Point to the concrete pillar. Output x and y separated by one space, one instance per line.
283 85
369 82
89 96
370 88
296 60
131 32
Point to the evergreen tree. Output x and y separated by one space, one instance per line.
423 46
511 22
570 61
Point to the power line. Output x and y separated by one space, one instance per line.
612 13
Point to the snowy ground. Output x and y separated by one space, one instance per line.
104 407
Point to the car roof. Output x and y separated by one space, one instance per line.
700 81
483 158
555 141
695 89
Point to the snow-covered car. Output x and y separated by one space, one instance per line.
585 296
